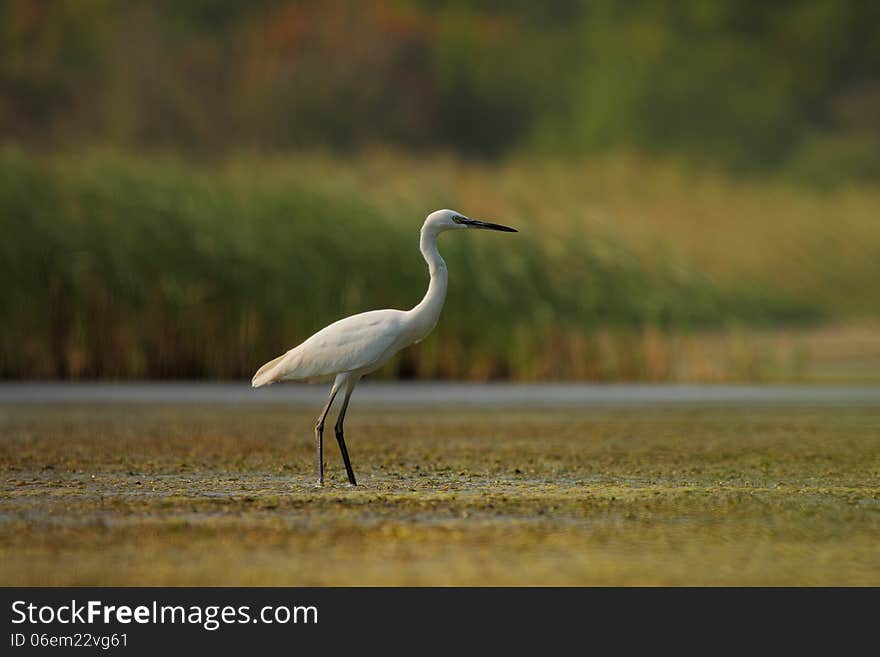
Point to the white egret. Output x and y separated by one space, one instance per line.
352 347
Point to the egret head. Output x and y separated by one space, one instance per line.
441 220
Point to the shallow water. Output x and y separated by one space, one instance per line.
209 494
426 394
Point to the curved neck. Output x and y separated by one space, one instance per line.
427 312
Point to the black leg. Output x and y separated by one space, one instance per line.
319 433
341 438
319 437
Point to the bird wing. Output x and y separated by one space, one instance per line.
356 343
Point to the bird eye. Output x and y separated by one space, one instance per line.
458 220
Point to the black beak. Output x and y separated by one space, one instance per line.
485 225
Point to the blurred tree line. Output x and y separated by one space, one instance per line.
752 85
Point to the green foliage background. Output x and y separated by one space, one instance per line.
162 215
158 269
752 86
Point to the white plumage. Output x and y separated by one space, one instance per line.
348 349
360 343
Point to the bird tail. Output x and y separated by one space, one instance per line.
268 373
